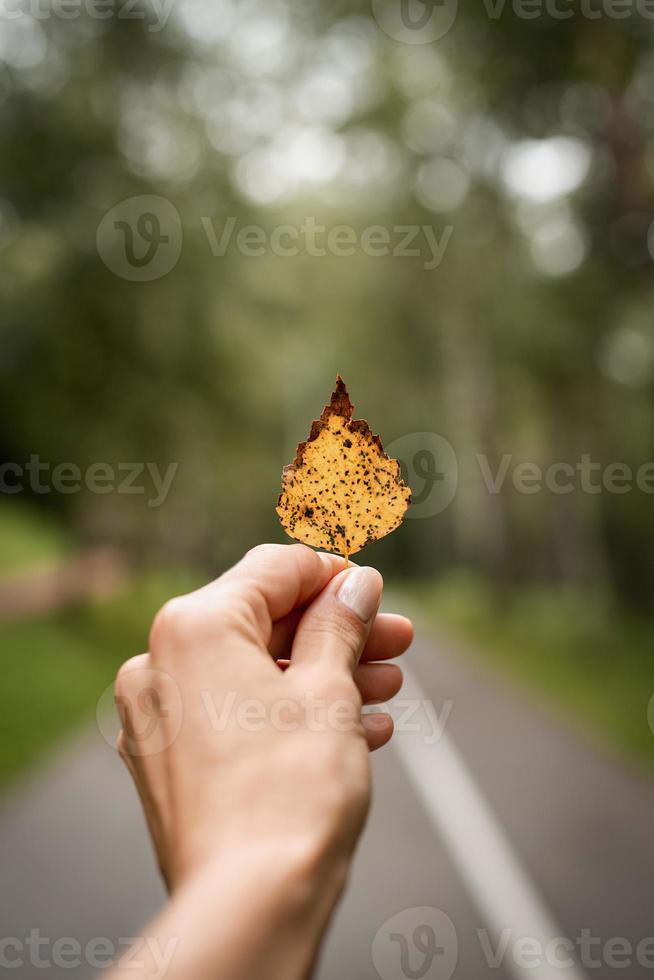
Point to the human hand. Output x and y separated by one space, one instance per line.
231 753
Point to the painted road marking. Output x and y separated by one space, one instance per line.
491 870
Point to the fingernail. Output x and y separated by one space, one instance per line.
361 592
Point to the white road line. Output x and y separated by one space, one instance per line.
491 870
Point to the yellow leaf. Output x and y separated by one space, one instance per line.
342 490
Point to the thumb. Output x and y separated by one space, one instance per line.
334 629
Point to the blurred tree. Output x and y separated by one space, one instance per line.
530 139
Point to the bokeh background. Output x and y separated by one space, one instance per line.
525 145
529 139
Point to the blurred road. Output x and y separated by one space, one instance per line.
510 822
579 825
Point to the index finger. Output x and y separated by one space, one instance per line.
264 586
277 578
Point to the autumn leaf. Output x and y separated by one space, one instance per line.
342 490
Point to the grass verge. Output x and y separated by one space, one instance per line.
56 667
583 654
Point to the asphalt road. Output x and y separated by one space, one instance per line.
494 848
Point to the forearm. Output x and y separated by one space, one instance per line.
260 913
254 820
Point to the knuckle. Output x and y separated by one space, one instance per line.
175 622
271 550
299 549
269 557
189 619
265 551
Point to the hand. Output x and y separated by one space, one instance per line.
232 754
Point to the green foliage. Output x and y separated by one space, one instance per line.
61 664
533 337
28 538
574 648
511 344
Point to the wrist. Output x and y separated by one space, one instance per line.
260 909
313 860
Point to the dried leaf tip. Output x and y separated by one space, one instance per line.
340 403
